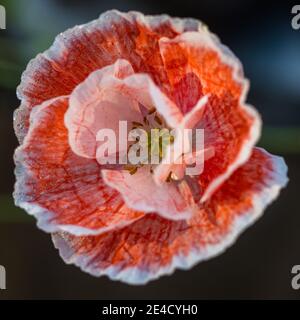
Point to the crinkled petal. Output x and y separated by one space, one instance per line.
108 96
97 103
140 192
154 246
63 191
198 64
83 49
230 131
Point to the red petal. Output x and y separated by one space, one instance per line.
187 92
153 246
81 50
230 131
197 64
64 191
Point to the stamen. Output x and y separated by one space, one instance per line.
152 110
137 124
169 177
146 121
158 120
132 170
155 148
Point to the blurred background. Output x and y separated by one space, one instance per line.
259 264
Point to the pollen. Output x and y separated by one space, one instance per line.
158 139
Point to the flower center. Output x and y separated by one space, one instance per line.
152 137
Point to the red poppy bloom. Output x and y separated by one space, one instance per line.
135 223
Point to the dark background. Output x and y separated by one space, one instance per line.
259 264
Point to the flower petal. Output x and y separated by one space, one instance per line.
63 191
141 193
181 144
198 64
230 131
142 88
108 96
199 61
154 246
83 49
97 103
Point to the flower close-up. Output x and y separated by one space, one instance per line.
135 222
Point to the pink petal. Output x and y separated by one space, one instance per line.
104 99
181 144
141 88
141 193
97 103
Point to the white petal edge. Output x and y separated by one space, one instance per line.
56 50
206 38
42 215
135 276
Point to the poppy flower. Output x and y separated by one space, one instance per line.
136 222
